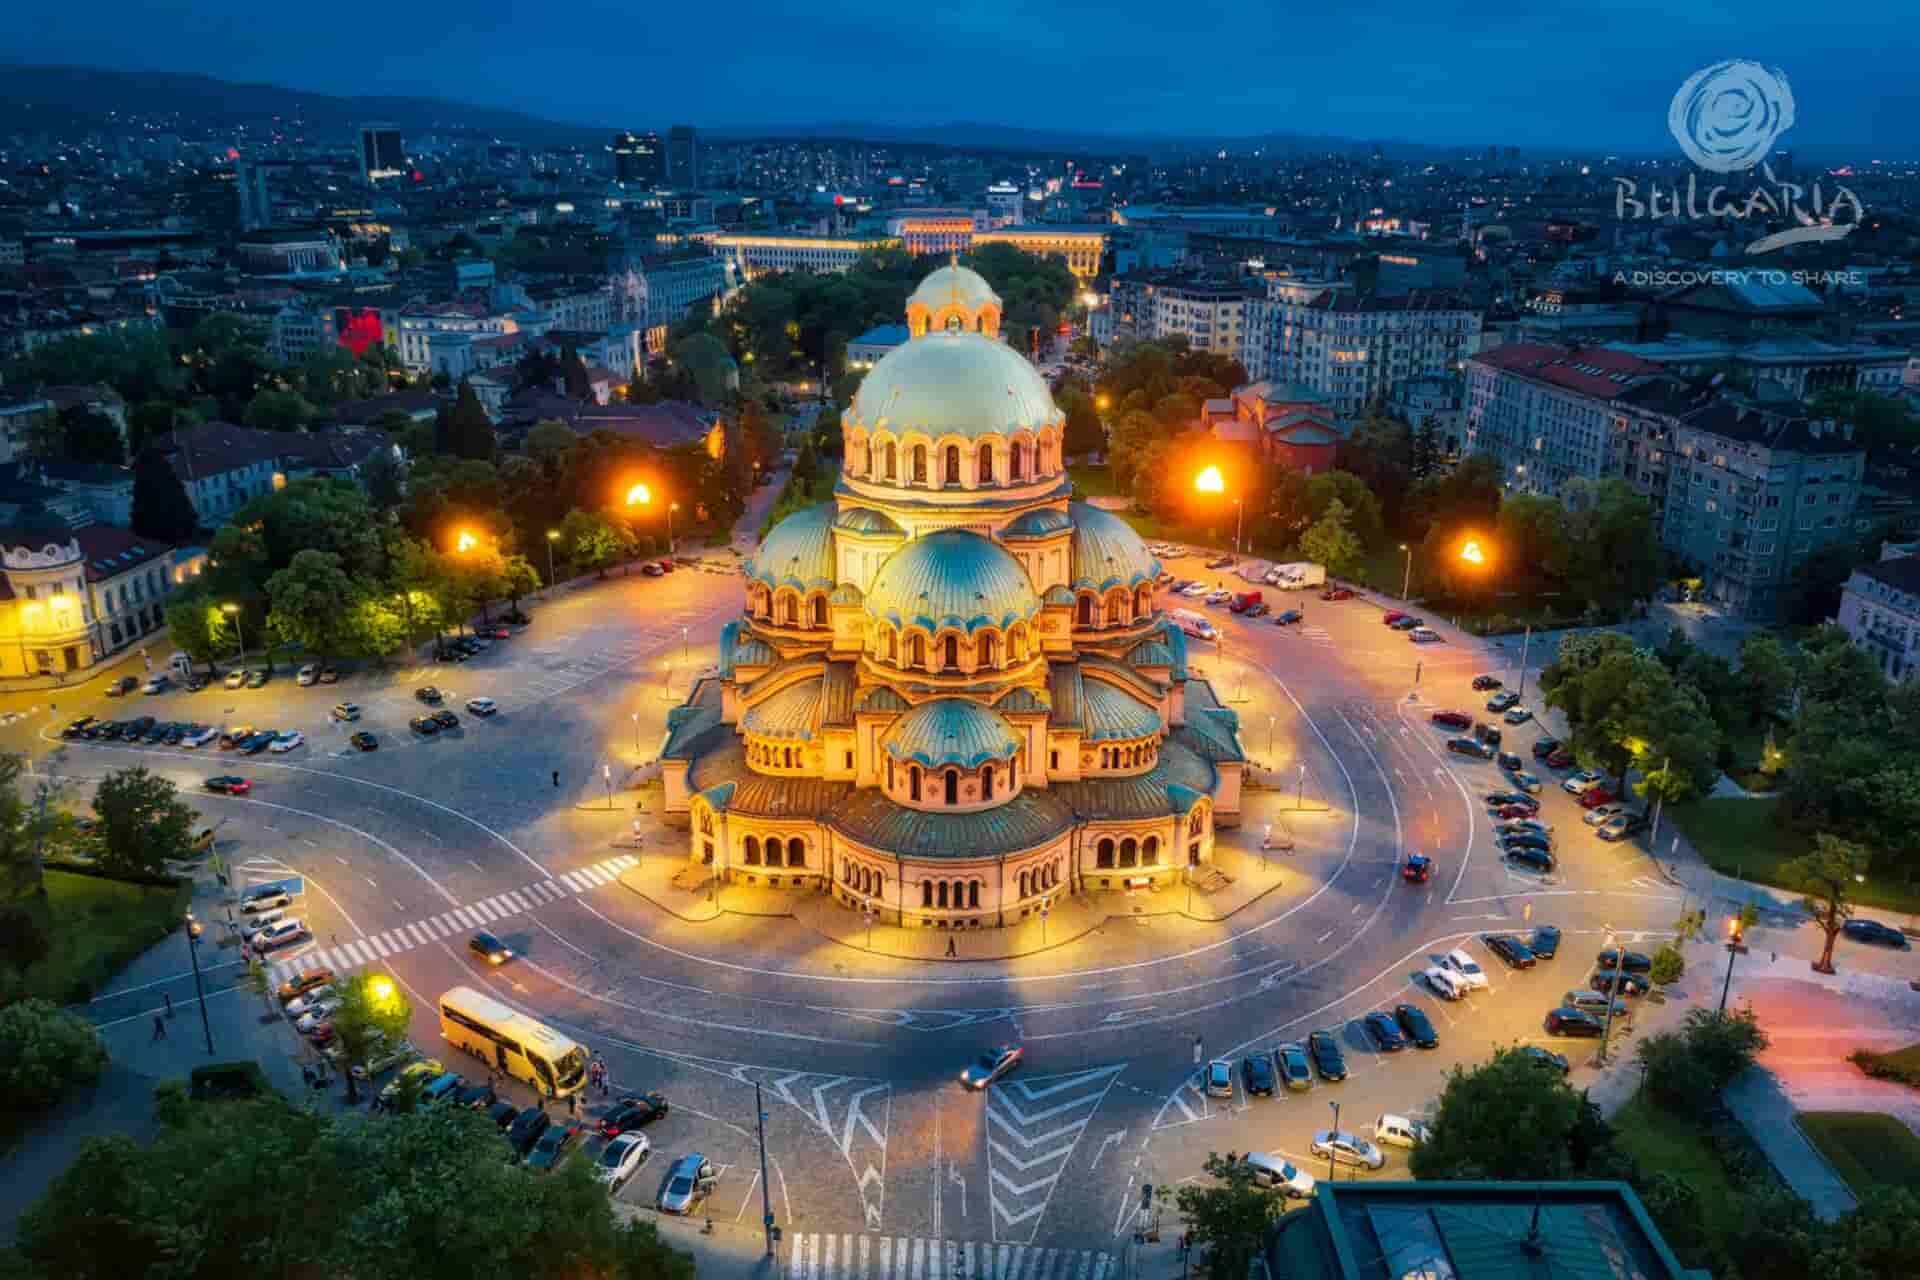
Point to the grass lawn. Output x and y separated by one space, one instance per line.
1094 481
1867 1149
96 927
1658 1140
1751 839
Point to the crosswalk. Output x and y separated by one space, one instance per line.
815 1255
460 922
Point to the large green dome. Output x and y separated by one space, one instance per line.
960 384
952 579
798 552
1107 552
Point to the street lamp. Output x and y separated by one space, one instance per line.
1300 796
193 949
1736 944
1332 1174
1613 990
553 536
464 542
1406 580
233 611
671 508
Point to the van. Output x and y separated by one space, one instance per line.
1194 624
278 934
1398 1131
1243 600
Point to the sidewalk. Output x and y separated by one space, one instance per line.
1770 1117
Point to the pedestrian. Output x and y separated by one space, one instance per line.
950 947
556 779
1266 836
169 999
159 1027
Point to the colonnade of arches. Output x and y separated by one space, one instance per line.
934 788
774 852
1134 755
963 895
775 755
949 651
1111 854
950 464
1119 607
787 607
1043 879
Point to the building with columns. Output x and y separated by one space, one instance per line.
950 697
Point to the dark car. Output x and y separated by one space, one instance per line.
1622 826
78 728
1524 840
1486 682
1544 1058
1628 984
489 948
1502 700
1545 747
1336 593
1407 623
1510 762
1257 610
1469 747
425 726
631 1112
1545 942
137 728
1453 719
258 677
474 1097
1538 859
552 1145
329 674
1566 1021
1501 799
446 719
1509 949
1418 869
1560 758
1292 1061
1256 1074
503 1114
122 687
1633 962
1287 618
229 785
365 741
258 742
428 694
1486 733
1326 1055
1384 1032
1882 935
1416 1026
527 1129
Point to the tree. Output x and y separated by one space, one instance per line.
1612 551
714 373
161 508
272 409
44 1051
469 430
1826 877
143 821
381 474
308 599
1362 507
1332 544
197 625
1228 1217
1878 421
1675 1078
590 540
1627 711
518 578
87 435
1726 1044
549 440
373 1012
1668 965
573 372
1483 1108
1768 675
1084 434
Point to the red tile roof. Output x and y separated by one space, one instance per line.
110 551
1591 371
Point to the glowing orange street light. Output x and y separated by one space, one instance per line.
465 542
639 496
1471 552
1210 481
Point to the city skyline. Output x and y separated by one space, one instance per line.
1444 79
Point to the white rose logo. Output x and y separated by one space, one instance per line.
1727 117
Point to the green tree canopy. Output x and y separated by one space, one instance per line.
1331 543
44 1051
469 430
161 508
273 409
1826 876
309 601
143 821
1227 1217
88 435
1482 1109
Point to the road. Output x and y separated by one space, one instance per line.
409 848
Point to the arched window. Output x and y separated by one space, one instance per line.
986 783
984 469
1103 856
1026 889
942 894
796 852
950 653
773 851
1129 852
1016 643
1150 851
985 651
916 650
1116 609
953 786
889 773
1085 615
926 893
889 458
753 851
1143 602
869 458
819 611
973 894
919 464
893 646
1016 462
789 610
913 782
952 468
956 323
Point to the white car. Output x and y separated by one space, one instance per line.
1582 782
200 737
1601 815
1219 597
1347 1148
1444 983
287 741
266 902
621 1158
318 1012
279 934
300 1006
1471 974
1424 635
482 706
1196 591
1517 715
158 684
307 675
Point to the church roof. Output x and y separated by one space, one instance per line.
1112 716
793 713
1107 552
954 285
962 384
1027 821
950 731
798 552
952 578
863 520
1043 522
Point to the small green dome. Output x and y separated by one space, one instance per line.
798 552
861 520
952 578
950 731
1111 716
1107 552
1042 522
960 384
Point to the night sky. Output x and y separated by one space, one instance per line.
1441 71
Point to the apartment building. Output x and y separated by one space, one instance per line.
1352 349
1545 413
1208 312
1880 610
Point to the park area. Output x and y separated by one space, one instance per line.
94 927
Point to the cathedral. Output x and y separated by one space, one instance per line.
950 698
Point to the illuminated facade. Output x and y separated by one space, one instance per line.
755 255
73 597
1081 248
950 697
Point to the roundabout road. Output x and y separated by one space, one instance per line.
872 1144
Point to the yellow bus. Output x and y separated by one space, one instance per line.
512 1043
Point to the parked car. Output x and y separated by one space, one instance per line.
991 1065
1408 624
1416 1026
1872 931
1486 682
1326 1055
1274 1173
199 735
266 902
1524 827
287 741
1580 783
307 675
259 742
281 933
690 1179
1509 761
1425 635
1294 1069
1257 609
446 719
1384 1031
345 712
329 674
1336 593
1488 734
1602 814
317 1012
1509 949
300 984
631 1112
1444 983
1545 942
236 679
1501 799
1544 747
1524 780
1534 859
1560 758
1513 812
1623 984
364 741
503 1114
482 706
1219 1078
1566 1021
301 1006
1256 1075
228 784
1594 1002
1502 700
1346 1148
425 726
552 1146
1594 797
258 677
158 683
621 1158
415 1075
1517 715
1287 618
526 1128
1470 747
123 686
1452 719
1632 962
1544 1058
1622 826
78 728
428 694
1471 974
1399 1131
1392 616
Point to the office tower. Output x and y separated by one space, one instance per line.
380 153
256 202
683 156
639 158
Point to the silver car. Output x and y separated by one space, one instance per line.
1347 1148
688 1182
991 1065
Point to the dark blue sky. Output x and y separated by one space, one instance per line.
1441 71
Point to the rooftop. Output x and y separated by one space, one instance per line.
1604 372
1901 573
